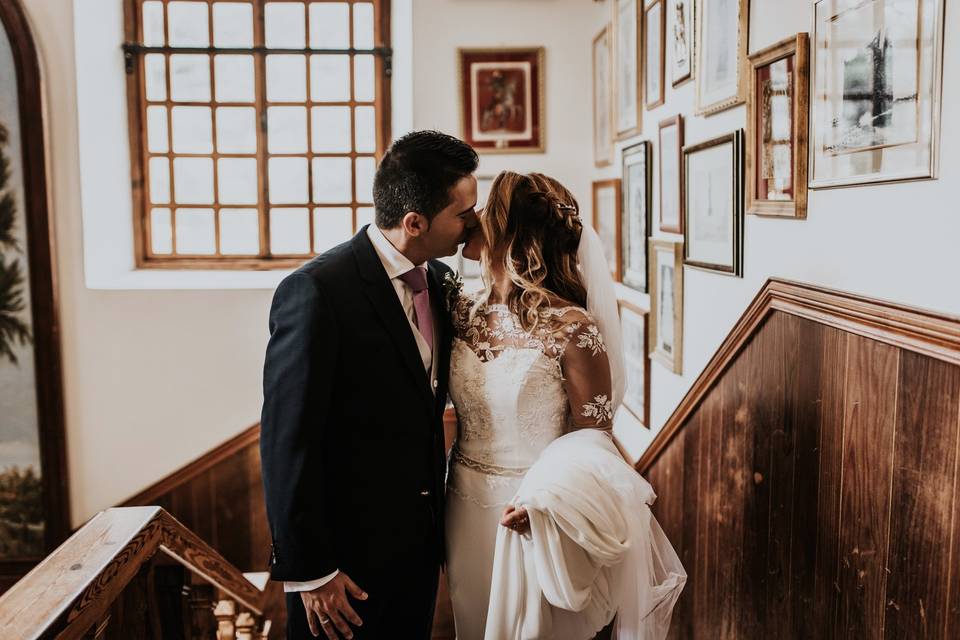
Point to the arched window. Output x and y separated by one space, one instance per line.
255 127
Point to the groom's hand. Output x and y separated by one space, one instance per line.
327 606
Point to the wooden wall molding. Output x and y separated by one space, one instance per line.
191 470
918 330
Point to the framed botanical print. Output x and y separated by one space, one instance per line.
671 174
713 204
627 36
777 129
606 220
637 197
655 31
501 99
722 32
34 500
602 99
636 398
876 68
680 33
666 304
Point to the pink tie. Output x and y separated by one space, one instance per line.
416 279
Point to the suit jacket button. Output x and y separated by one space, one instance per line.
425 493
435 384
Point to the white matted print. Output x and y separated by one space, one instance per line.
627 15
666 304
713 203
876 88
654 29
606 220
722 28
637 196
680 38
671 174
602 100
636 398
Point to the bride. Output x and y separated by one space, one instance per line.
536 356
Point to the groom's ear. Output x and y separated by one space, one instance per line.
414 224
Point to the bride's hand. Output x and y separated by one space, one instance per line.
515 518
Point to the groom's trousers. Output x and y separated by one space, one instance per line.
402 595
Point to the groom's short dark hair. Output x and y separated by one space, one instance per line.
416 174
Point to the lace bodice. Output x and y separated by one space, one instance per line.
516 390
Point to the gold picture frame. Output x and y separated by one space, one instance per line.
713 30
607 221
655 22
627 37
602 99
666 313
636 351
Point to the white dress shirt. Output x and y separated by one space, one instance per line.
395 264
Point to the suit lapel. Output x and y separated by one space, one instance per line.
384 299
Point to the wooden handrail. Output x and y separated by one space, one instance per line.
932 334
73 588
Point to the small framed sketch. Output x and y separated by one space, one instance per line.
602 100
877 68
680 40
627 17
633 323
671 174
666 304
655 31
606 220
777 129
722 29
635 226
713 204
501 99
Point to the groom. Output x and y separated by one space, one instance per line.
354 385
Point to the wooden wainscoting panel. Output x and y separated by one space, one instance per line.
924 482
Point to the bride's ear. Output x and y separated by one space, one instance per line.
414 224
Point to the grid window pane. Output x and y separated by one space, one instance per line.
331 226
285 26
157 129
236 130
330 129
237 180
161 232
366 168
159 181
329 78
239 232
286 78
153 23
365 216
189 78
193 180
290 231
332 181
363 79
363 25
192 131
234 78
196 232
329 25
155 71
365 121
188 24
287 129
232 24
288 180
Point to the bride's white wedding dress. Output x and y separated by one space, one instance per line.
515 392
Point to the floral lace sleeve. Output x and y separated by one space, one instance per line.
586 373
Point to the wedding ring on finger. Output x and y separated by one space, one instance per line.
324 620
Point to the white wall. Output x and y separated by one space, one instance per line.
896 242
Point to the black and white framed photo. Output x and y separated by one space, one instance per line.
876 68
666 304
713 204
671 174
655 31
636 398
680 36
637 201
627 50
722 32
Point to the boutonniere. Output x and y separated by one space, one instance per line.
452 288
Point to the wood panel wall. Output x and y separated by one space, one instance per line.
812 492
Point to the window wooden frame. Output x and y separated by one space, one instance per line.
135 53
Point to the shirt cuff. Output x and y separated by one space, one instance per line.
293 587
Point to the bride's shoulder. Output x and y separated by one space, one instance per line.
566 312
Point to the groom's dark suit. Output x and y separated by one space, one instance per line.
352 439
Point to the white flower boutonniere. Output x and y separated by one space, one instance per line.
452 288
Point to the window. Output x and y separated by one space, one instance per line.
255 127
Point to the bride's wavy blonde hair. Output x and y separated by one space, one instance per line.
531 224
